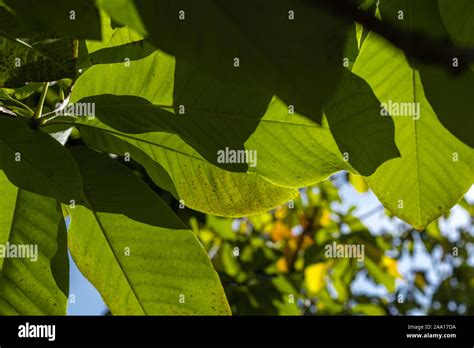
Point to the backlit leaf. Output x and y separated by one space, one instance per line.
31 223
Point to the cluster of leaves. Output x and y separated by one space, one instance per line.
171 83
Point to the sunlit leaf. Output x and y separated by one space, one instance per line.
31 226
315 277
432 174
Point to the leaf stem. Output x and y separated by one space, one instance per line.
61 93
22 106
16 103
39 109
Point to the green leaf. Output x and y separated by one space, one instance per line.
213 33
118 44
144 270
125 12
293 151
158 94
199 184
27 56
455 108
368 309
78 19
354 119
102 141
457 17
60 261
48 60
451 99
221 227
128 261
110 187
435 169
380 275
34 161
24 92
366 4
359 183
28 220
342 275
14 105
215 119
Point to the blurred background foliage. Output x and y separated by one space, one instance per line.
275 263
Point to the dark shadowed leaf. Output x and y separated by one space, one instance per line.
457 17
354 117
110 187
78 19
29 56
153 95
34 161
60 261
250 43
446 87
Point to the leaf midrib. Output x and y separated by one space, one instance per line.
102 228
418 196
124 135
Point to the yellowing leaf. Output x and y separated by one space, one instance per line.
281 212
282 265
314 277
324 217
243 227
391 266
294 243
280 232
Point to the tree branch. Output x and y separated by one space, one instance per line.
419 47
